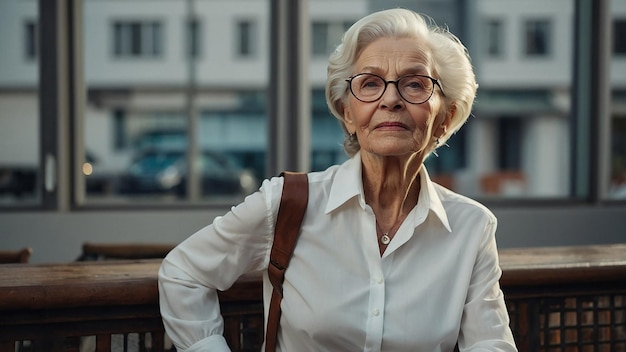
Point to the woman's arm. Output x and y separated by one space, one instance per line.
190 311
213 259
485 322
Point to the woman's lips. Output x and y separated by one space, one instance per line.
391 126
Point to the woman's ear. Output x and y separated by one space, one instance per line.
347 119
447 120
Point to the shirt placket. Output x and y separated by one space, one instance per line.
376 305
376 312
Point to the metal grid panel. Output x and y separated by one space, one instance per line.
594 323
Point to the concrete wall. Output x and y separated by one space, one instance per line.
57 237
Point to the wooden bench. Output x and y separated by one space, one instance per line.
108 251
18 256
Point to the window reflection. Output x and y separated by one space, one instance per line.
138 112
617 187
19 102
150 65
617 174
517 143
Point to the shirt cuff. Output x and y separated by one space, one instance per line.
213 343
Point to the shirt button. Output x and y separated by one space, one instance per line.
375 312
379 280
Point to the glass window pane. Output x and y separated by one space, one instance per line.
328 23
617 161
138 112
518 141
19 104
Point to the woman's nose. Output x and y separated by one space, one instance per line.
391 98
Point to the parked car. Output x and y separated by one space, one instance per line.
21 180
18 180
165 171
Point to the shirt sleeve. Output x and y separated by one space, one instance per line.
485 322
213 259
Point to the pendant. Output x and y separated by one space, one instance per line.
385 239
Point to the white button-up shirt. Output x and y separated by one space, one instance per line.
435 284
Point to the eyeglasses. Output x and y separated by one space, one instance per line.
415 89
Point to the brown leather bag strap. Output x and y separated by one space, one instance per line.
293 205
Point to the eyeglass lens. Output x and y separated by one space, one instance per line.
413 88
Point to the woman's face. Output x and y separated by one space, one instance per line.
391 126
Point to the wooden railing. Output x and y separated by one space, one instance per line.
559 299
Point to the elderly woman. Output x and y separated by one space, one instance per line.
386 260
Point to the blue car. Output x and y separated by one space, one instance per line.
165 171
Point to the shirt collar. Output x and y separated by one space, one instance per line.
429 199
348 184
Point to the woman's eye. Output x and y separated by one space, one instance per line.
371 84
414 84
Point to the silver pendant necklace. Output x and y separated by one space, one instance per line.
384 239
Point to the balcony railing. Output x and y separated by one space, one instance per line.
559 299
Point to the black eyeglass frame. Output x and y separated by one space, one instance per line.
433 80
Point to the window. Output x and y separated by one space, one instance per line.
448 160
619 37
537 34
246 32
31 41
137 39
494 38
325 36
320 39
509 144
194 38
